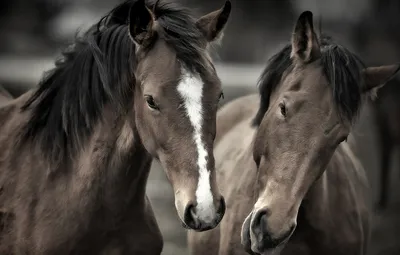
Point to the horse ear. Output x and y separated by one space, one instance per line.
141 21
305 45
212 24
377 77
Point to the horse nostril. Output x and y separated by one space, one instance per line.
197 221
265 239
189 216
259 224
222 207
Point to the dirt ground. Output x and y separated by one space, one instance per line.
386 225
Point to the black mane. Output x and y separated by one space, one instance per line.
98 70
341 67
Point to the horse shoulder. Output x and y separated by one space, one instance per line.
5 96
234 132
234 145
139 235
234 112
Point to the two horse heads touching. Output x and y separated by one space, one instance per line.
292 183
76 151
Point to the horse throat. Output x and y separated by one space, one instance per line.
130 161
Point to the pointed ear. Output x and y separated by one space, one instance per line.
305 45
377 77
140 22
212 24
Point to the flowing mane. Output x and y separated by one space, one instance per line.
97 70
341 67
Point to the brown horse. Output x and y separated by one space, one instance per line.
386 111
76 152
291 185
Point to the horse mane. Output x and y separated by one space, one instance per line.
97 70
342 68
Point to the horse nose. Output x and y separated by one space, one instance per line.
196 221
265 239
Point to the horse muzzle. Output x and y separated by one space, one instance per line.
257 240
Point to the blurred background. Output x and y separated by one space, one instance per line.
33 32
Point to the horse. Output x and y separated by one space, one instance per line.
386 112
385 109
292 184
76 151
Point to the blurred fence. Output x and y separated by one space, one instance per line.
18 74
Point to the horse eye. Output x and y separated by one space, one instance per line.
151 103
283 109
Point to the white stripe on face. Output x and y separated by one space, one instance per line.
191 90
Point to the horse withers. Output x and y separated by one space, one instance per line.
4 95
76 151
291 181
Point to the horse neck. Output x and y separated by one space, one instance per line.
115 152
342 185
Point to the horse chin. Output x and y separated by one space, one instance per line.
275 251
272 251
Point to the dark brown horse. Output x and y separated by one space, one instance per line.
368 34
386 111
292 185
76 152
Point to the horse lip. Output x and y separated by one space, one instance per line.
270 252
275 251
196 229
203 229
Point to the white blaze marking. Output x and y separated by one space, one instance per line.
191 90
